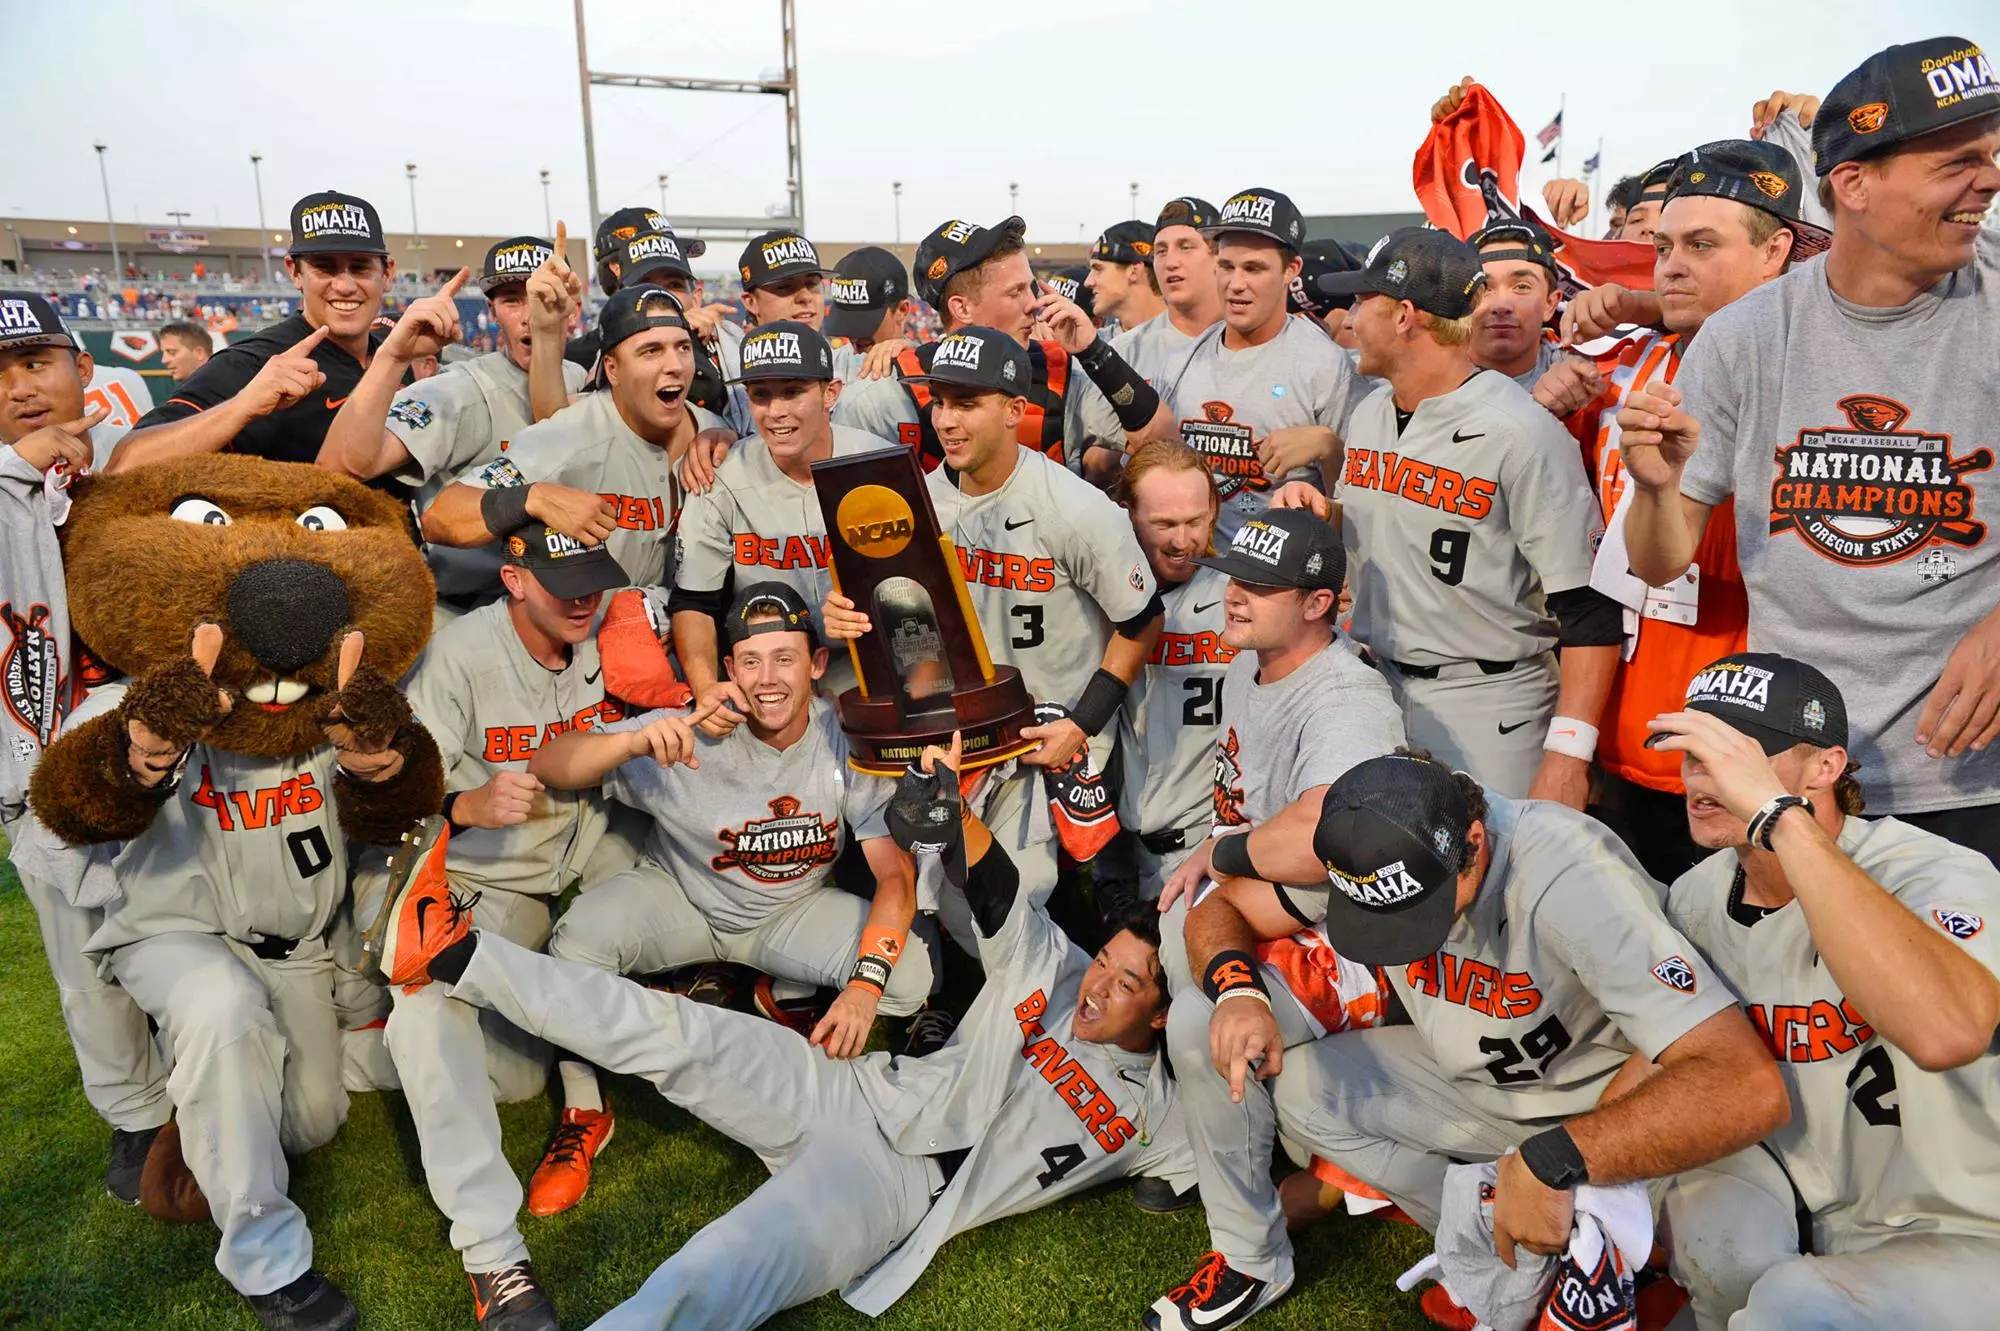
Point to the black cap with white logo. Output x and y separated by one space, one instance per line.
1900 94
784 349
565 566
1433 270
627 223
1317 259
1762 175
330 222
28 320
759 602
865 283
778 256
1068 283
1186 210
977 357
1261 212
954 247
1773 699
1391 834
649 254
1125 242
512 261
633 310
1283 547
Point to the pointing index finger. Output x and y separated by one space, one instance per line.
305 345
458 278
95 416
562 238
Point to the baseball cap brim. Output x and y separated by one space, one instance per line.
851 321
1355 282
1773 742
578 576
489 285
1808 241
1241 568
1271 234
648 276
339 245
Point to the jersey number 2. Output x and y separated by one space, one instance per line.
1203 705
1448 555
1028 622
1870 1084
1060 1161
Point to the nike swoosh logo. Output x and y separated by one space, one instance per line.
592 677
1216 1316
333 403
1210 606
1010 526
1459 436
1508 730
423 906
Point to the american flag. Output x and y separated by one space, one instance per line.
1551 131
1590 165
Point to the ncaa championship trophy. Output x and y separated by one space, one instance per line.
923 665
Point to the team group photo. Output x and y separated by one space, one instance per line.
597 734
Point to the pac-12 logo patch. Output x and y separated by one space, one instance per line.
1960 924
777 849
1871 492
1675 973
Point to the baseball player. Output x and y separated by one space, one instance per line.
1511 332
1533 959
761 519
783 278
1183 262
431 432
1263 397
1859 947
491 689
275 393
1119 287
867 300
1057 580
1469 529
601 470
738 863
46 426
1053 1086
976 276
1831 404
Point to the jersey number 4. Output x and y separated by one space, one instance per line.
1060 1161
1539 1046
1870 1084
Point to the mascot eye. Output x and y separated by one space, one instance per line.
201 511
321 518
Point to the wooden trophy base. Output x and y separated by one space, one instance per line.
989 717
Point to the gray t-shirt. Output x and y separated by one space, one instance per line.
1858 444
1547 352
1153 348
1173 712
1228 401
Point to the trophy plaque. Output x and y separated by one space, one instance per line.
923 667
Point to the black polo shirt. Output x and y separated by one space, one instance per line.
292 434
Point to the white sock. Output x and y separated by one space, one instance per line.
579 1083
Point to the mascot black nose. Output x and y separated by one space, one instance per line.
286 611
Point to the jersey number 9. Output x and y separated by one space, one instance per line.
1448 555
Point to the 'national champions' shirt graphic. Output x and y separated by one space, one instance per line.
785 846
1229 446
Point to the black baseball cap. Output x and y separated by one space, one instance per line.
777 256
784 349
564 565
1433 270
330 222
1903 93
1125 242
1762 175
1523 240
1187 210
1283 547
651 252
976 356
1653 181
1068 283
865 283
1317 259
28 320
1773 699
955 246
1391 832
1261 212
512 261
769 598
625 224
635 309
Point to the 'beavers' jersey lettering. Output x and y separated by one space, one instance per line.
1076 1087
265 806
506 744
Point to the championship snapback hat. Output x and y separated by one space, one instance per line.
650 253
1515 238
1762 175
633 310
784 349
1433 270
865 284
1068 283
625 224
1261 212
512 261
1773 699
1391 833
330 222
29 320
1316 260
564 565
1125 242
1283 547
954 247
759 601
977 357
1186 210
1903 93
777 256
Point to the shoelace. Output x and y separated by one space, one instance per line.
566 1145
1200 1286
461 906
509 1283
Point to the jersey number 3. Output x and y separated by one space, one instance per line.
1028 626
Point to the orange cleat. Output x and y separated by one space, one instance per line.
563 1176
1443 1310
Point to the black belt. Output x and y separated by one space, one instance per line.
274 949
948 1165
1431 672
1163 843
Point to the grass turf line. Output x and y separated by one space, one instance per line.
73 1259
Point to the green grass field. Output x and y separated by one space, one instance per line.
71 1258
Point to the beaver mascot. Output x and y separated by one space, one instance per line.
259 611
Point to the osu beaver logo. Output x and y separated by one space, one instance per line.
1872 492
787 845
1770 182
1228 445
1867 119
1229 781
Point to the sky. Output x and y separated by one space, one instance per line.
1071 100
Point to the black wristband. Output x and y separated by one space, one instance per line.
872 971
1552 1158
1229 970
1099 703
1133 399
1231 856
504 508
450 804
1765 820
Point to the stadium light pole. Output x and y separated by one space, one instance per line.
548 215
263 245
896 186
416 231
1135 199
110 218
663 194
1013 197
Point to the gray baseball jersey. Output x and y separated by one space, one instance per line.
753 828
1563 965
1459 524
451 423
1153 347
1877 1147
1172 714
1280 740
1228 401
728 350
589 446
490 705
35 665
1052 564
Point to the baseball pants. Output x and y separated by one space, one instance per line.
1491 726
641 922
1733 1231
840 1197
123 1077
455 1062
256 1050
